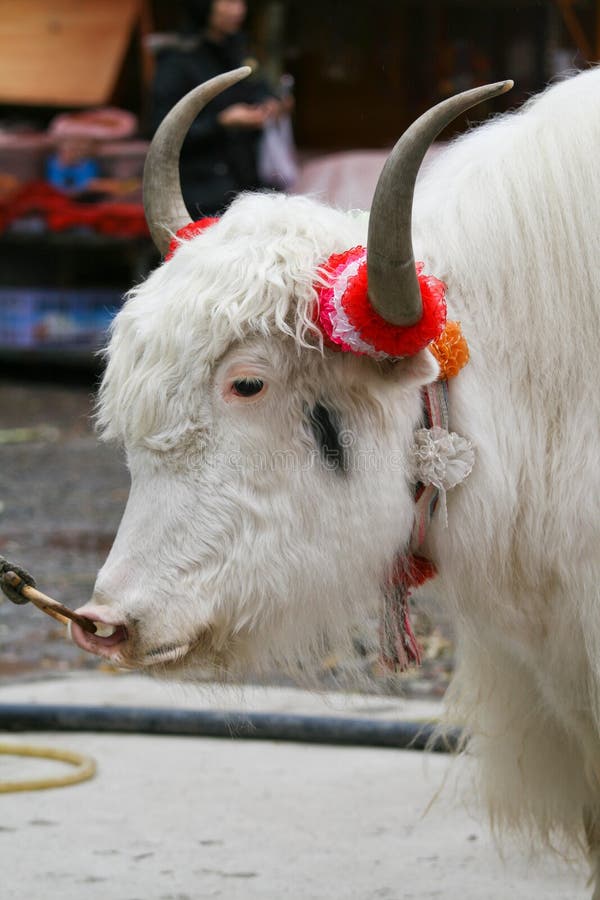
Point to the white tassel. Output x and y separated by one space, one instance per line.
441 458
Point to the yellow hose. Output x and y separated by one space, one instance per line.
86 768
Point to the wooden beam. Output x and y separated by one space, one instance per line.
64 53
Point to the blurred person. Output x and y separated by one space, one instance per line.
220 153
72 168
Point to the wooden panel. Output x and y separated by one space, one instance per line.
365 71
351 72
63 52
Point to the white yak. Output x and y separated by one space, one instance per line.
246 541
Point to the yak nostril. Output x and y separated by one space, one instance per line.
110 633
115 634
106 636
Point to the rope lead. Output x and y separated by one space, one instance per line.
11 592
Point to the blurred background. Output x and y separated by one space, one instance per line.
78 80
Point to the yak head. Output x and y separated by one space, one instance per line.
270 488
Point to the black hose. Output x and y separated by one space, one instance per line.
247 726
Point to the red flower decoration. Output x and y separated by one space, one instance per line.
189 231
348 319
397 340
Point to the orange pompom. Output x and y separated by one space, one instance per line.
450 350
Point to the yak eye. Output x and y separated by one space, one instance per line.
247 387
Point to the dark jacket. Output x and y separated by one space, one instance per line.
216 162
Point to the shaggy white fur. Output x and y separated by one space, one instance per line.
277 557
515 233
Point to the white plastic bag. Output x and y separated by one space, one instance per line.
277 164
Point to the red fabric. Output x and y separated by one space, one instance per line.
62 212
325 314
189 231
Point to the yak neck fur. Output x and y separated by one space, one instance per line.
509 218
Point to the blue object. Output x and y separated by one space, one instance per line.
71 176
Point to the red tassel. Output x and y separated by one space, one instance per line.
399 646
412 571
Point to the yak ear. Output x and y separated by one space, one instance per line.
417 370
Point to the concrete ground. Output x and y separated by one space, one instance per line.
170 818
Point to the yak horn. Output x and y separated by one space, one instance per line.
164 206
393 286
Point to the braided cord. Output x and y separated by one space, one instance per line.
14 594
